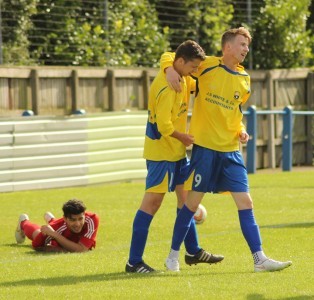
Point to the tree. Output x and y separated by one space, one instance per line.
280 38
201 20
135 33
85 33
175 17
66 32
134 36
16 22
310 26
211 19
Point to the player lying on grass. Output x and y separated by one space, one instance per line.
75 232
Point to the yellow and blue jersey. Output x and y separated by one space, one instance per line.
217 116
167 111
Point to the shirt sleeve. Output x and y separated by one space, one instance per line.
89 237
242 127
244 100
164 106
166 60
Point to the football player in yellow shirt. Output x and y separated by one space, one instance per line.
165 153
216 124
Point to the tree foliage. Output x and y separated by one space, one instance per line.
123 33
204 21
76 37
135 33
280 38
16 18
134 36
210 19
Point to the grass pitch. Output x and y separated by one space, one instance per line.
284 209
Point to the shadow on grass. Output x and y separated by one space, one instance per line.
70 280
31 250
261 297
15 245
290 225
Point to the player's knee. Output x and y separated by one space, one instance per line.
155 206
151 207
35 234
181 202
192 205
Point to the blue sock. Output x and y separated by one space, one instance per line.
191 238
181 227
250 230
141 225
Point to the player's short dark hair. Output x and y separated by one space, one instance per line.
190 50
73 207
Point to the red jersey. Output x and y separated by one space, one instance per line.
86 237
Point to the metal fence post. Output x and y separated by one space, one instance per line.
75 91
287 139
35 91
111 89
251 145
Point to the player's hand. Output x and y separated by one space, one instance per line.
244 137
187 139
47 230
184 138
173 79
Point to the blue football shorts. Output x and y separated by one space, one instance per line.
164 176
216 172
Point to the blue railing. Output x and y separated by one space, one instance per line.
287 114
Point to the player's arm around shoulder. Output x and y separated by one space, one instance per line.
172 76
166 60
174 79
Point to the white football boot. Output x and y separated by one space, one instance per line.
48 216
270 265
172 264
19 233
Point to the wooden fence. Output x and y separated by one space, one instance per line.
274 90
62 90
82 148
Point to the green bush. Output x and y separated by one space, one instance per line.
211 19
135 33
134 37
280 38
16 18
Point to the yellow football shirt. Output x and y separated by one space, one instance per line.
217 116
167 111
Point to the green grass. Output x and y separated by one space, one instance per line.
284 209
